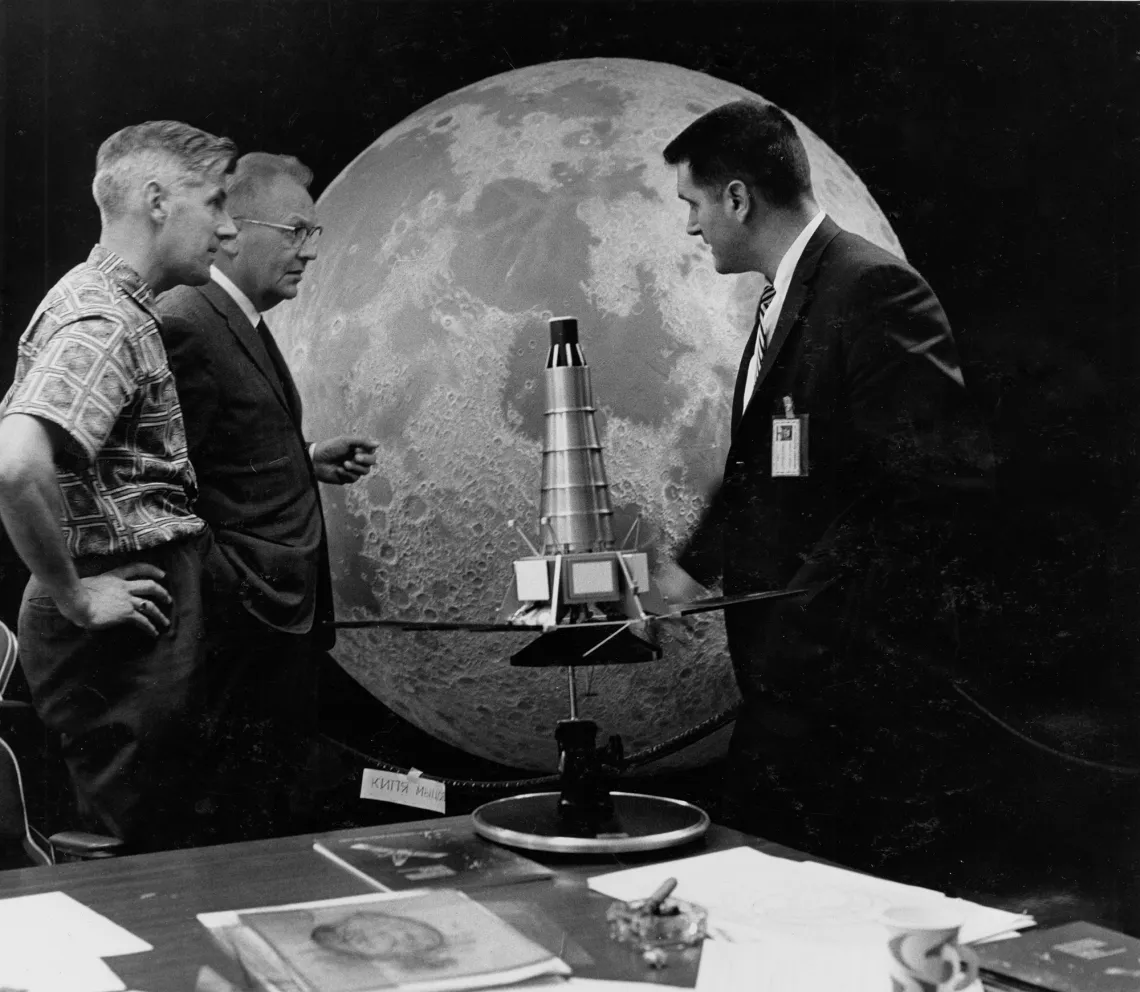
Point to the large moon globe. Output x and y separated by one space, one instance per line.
449 242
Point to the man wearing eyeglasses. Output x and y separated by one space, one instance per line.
266 586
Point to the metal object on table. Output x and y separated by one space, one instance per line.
536 822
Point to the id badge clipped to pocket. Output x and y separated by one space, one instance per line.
789 443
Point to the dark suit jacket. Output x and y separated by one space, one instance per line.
257 487
898 465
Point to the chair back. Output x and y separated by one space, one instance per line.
9 651
14 826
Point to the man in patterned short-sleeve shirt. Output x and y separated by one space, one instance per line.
92 363
96 489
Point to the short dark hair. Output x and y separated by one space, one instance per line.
172 150
256 172
747 140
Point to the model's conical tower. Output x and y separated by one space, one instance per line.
576 574
574 509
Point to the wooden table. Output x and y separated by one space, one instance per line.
157 897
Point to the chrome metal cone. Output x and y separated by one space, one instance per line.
574 507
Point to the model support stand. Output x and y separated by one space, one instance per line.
585 817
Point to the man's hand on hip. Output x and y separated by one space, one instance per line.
344 459
130 594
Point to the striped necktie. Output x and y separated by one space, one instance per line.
761 342
766 299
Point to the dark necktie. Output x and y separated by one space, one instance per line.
284 379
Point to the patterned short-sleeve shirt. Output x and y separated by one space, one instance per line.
92 362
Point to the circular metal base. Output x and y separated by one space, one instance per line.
639 823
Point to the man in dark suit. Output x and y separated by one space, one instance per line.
854 463
267 585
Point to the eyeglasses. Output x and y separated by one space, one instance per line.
297 234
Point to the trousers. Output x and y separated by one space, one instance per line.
122 703
258 688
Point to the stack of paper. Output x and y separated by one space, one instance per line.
794 926
52 943
426 940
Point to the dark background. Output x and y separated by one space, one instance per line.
1000 139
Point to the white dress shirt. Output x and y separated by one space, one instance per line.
236 295
780 284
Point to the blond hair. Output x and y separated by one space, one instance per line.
169 151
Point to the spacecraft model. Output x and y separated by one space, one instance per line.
592 603
579 578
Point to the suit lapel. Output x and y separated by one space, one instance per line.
798 290
249 340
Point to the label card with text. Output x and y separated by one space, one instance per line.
406 790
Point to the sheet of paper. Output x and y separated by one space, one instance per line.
29 970
791 966
714 873
980 922
746 889
50 920
1007 935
